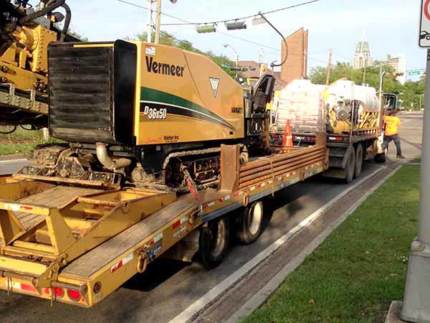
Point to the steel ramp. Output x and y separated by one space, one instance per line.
100 256
43 232
56 197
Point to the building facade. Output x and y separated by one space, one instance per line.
398 63
296 65
362 58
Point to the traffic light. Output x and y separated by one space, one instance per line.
207 28
234 25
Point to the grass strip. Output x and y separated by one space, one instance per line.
356 273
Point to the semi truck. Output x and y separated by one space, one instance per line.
351 116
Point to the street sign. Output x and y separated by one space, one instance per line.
424 40
415 72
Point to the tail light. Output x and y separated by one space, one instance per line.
58 292
336 138
74 294
28 288
306 139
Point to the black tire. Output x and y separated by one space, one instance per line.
380 158
250 223
359 158
349 170
214 242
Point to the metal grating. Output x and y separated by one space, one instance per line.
81 93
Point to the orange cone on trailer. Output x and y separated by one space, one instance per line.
287 137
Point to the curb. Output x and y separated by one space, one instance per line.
258 299
193 311
393 315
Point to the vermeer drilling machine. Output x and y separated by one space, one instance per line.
134 113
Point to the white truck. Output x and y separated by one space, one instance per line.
350 115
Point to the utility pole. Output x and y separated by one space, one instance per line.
416 300
381 84
149 25
158 22
364 71
237 57
421 100
330 55
381 92
260 55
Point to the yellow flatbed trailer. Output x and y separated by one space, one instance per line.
77 244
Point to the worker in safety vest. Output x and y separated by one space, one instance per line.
391 131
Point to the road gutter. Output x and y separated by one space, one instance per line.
7 166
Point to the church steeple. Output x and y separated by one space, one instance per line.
362 56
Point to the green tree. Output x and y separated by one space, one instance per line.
168 39
345 70
412 95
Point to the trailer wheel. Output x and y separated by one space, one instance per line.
250 223
349 170
213 242
358 160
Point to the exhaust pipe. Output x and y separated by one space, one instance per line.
106 161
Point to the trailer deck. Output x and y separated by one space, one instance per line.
84 268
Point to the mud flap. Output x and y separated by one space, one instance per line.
380 144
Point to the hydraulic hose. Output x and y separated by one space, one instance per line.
51 5
66 22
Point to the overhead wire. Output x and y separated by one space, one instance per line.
220 32
246 17
187 23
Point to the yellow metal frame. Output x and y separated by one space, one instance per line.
62 235
25 62
111 275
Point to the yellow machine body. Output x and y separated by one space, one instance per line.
184 97
143 94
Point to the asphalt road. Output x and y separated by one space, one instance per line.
169 287
11 166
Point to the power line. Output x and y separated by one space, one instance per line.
311 56
245 17
188 23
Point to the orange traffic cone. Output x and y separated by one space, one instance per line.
287 137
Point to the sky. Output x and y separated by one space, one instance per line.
390 26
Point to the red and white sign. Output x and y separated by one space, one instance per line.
425 24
